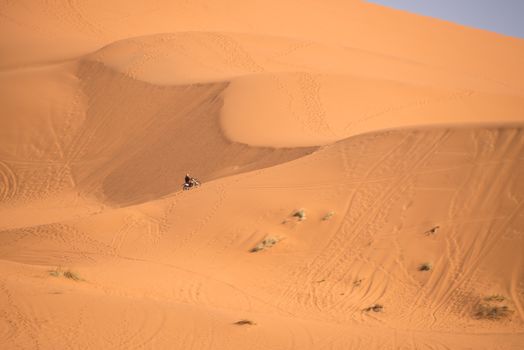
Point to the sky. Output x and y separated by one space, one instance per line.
501 16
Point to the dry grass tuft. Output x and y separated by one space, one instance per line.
245 322
375 308
495 298
490 308
432 231
425 267
72 275
357 282
56 272
300 214
328 216
492 312
266 243
67 274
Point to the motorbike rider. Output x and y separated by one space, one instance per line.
188 181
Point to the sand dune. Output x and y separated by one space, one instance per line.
398 138
287 93
110 148
165 254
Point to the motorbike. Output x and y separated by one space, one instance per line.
192 184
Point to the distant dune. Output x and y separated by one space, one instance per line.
373 158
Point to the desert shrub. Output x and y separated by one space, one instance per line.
491 312
491 308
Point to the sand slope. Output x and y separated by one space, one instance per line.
154 263
276 107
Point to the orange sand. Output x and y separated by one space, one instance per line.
393 123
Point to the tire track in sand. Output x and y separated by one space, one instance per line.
19 322
305 274
417 156
449 291
8 182
341 247
71 14
134 333
487 238
121 236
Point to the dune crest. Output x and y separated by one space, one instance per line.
285 92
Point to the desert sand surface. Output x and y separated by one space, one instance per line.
362 176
